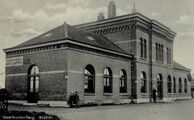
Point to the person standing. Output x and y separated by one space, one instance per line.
76 100
71 99
154 95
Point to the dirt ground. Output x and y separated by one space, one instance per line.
179 110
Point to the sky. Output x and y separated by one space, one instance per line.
21 20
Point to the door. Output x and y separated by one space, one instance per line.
33 85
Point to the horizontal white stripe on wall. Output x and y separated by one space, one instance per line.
17 74
53 72
116 76
46 72
74 71
99 74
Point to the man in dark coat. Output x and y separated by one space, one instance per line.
154 95
76 97
71 99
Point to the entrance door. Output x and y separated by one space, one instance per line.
160 86
33 84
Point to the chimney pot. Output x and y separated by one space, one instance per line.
111 9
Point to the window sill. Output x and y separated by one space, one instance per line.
108 94
143 93
142 58
89 94
123 94
158 61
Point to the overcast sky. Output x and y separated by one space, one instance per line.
21 20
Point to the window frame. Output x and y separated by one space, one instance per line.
180 85
123 81
107 80
169 84
143 79
89 76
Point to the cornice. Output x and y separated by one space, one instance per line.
137 18
63 44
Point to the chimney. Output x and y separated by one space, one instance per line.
134 9
100 16
111 9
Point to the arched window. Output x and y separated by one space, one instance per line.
174 81
107 80
34 79
143 82
169 85
185 86
141 47
180 85
145 48
159 49
160 86
123 81
89 81
162 53
156 51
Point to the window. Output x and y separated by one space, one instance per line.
168 55
143 82
159 52
89 81
180 85
143 48
107 80
162 53
160 86
123 81
34 79
169 84
185 86
174 80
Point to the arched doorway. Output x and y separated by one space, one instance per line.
143 81
33 84
160 86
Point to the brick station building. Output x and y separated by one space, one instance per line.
115 60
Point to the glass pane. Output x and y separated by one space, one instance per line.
123 83
108 81
87 72
34 70
37 84
31 84
120 82
104 81
106 71
121 73
86 82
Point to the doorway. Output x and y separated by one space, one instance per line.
33 84
160 86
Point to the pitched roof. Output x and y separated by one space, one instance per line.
67 32
177 65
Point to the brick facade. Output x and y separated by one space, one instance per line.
62 68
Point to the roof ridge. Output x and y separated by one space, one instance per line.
176 64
